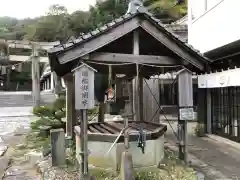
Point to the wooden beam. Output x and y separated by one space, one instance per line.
26 58
28 44
168 42
130 58
70 104
98 42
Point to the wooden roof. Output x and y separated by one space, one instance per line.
66 54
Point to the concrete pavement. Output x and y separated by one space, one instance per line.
216 158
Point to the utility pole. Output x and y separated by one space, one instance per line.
185 105
35 76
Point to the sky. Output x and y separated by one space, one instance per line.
33 8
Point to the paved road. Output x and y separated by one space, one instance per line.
14 118
14 122
219 157
15 111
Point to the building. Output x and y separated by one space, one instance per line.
213 29
167 87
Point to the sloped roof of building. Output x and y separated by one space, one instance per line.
85 37
140 12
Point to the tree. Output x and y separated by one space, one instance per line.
79 22
58 24
167 10
106 11
57 10
52 27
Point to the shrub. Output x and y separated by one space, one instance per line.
199 129
53 114
50 115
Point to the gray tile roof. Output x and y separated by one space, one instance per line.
85 37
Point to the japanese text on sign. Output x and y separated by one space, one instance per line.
186 114
84 88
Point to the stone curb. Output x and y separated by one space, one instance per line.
198 165
223 140
9 116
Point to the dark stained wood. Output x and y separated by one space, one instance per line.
108 131
168 42
114 127
150 125
130 58
136 126
120 125
92 129
144 126
98 42
100 130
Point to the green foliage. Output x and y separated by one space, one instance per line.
199 130
166 9
58 24
171 168
50 115
34 141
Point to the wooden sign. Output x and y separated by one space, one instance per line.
84 87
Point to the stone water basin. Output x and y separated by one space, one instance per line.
102 135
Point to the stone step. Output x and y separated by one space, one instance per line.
23 99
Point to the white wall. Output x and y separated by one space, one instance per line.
217 26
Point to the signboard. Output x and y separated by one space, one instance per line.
84 87
186 114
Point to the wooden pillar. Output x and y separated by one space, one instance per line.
136 100
209 112
186 113
70 104
141 115
202 107
52 81
35 76
57 82
101 112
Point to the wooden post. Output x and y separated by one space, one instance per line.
85 143
136 106
202 109
101 112
8 80
209 112
57 83
70 104
141 115
185 104
130 92
35 76
84 94
58 147
108 105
